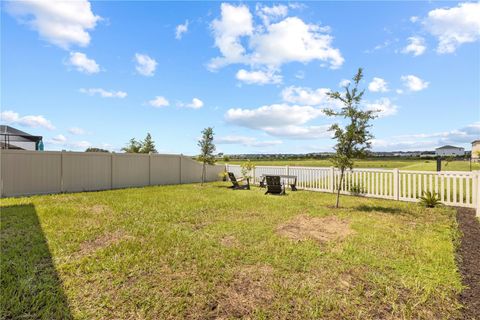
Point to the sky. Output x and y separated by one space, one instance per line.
98 73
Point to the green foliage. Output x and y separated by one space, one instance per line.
148 145
96 150
226 158
357 189
133 146
207 148
430 199
353 139
247 168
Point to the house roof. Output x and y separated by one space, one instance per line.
448 147
17 135
475 141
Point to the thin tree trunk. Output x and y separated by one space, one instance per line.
339 187
203 173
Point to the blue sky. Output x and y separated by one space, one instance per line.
101 72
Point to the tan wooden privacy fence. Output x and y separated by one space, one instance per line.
456 188
33 172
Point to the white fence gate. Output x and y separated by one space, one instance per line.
455 188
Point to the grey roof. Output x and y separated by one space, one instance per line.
475 141
15 134
448 147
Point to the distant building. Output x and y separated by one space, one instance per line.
11 138
476 150
449 151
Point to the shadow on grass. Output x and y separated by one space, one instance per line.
366 208
31 288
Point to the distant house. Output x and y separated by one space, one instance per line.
449 151
476 151
11 138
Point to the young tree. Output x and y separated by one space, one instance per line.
353 140
148 145
207 148
133 146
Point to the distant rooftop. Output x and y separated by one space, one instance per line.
448 147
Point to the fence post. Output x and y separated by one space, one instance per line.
287 170
150 168
477 205
180 171
332 179
62 189
396 184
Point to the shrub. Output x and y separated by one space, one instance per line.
430 199
357 189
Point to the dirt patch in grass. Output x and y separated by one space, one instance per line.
229 241
323 229
468 259
248 291
103 241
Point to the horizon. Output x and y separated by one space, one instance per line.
257 72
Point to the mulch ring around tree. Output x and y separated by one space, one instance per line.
468 260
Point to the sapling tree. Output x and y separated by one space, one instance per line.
148 145
207 148
133 146
352 139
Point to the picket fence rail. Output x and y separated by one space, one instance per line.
454 188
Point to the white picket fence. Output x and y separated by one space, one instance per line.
455 188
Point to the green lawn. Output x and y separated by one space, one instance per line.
414 164
205 252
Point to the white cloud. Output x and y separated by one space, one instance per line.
416 46
268 14
195 104
104 93
59 139
273 118
344 83
82 63
32 121
292 40
300 132
414 83
414 19
76 131
307 96
378 85
454 26
180 30
258 77
235 22
145 65
383 106
246 141
159 102
270 45
429 141
62 23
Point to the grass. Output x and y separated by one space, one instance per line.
202 252
414 164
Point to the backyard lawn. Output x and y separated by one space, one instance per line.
210 252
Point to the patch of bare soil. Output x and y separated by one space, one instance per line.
249 290
103 241
468 260
229 241
323 229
